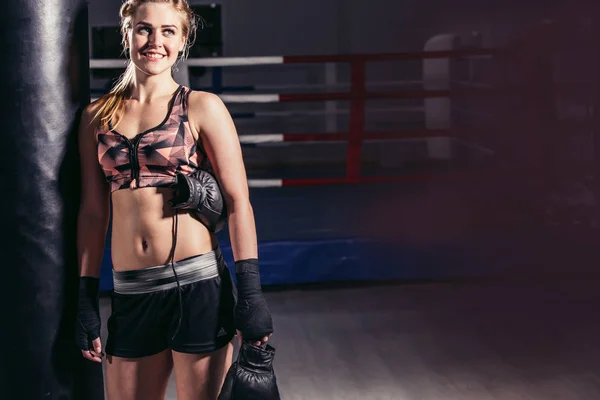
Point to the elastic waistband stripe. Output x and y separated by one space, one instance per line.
153 279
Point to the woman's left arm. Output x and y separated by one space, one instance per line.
220 140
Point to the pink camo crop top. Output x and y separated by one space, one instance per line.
154 157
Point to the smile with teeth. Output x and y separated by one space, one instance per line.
154 56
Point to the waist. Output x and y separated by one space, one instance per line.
145 229
162 277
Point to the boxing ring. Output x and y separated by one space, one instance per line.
443 154
304 222
451 162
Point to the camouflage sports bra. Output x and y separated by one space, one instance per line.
154 157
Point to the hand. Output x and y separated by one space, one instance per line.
252 315
254 343
87 328
95 354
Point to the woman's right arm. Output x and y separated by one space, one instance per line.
94 210
92 224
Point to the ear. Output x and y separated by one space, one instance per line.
182 46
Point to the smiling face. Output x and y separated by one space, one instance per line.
155 37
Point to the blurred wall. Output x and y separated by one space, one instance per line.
285 27
276 27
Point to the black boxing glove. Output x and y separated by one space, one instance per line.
252 315
88 323
252 376
200 193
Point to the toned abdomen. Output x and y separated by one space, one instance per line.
143 229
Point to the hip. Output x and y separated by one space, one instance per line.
187 306
194 269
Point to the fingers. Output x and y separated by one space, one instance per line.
262 341
91 356
265 339
257 343
241 339
97 346
95 354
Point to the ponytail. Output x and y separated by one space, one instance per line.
112 104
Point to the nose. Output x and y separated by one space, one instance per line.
155 39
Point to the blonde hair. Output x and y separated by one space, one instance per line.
111 105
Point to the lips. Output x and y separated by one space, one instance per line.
154 56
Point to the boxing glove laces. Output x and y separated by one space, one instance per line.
251 376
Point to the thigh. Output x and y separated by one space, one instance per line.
207 322
138 378
201 376
139 323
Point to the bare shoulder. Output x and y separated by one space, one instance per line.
209 116
205 103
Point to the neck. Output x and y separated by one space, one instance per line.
147 88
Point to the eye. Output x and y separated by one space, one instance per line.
144 29
169 32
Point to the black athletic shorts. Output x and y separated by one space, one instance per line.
146 308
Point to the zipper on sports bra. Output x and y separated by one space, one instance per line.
134 161
135 168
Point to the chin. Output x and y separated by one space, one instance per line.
154 69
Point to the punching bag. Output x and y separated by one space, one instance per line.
45 85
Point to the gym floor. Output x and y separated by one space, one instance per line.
477 340
483 336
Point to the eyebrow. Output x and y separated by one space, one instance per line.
150 25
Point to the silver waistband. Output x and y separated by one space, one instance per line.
154 279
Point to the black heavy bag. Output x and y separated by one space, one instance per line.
45 84
252 376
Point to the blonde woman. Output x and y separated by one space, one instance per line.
174 304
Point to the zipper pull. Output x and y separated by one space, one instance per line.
133 161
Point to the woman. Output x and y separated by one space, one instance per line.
174 306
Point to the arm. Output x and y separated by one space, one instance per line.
92 224
219 138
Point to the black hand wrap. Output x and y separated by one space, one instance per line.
252 315
200 193
252 376
88 313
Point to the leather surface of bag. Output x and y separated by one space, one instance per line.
251 376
